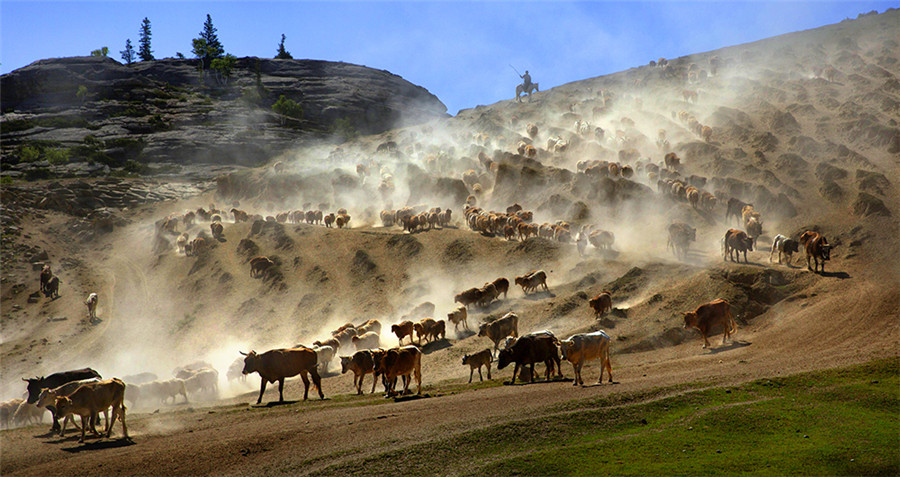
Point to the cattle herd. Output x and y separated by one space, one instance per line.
360 348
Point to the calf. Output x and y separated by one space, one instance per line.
457 316
708 315
89 399
784 246
601 303
477 360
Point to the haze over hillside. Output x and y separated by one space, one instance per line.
803 126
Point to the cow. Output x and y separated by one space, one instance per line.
48 397
405 362
477 360
205 380
532 280
91 303
52 288
502 286
368 340
361 363
818 249
601 303
500 328
468 297
163 390
45 277
457 316
585 347
680 237
278 364
708 315
754 229
735 208
35 385
736 241
90 399
784 246
423 329
438 331
402 330
530 349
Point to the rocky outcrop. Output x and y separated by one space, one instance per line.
179 115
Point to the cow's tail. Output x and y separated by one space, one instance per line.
731 320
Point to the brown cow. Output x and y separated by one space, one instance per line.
468 297
278 364
532 280
92 398
405 362
500 328
502 286
218 231
402 330
585 347
258 266
361 363
423 328
736 241
818 248
477 360
708 315
457 316
601 303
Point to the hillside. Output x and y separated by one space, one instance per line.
166 111
803 126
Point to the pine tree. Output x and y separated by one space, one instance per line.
128 52
144 51
208 46
283 54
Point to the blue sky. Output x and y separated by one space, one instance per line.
460 51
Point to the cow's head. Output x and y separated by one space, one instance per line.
748 243
34 388
566 346
345 363
465 359
825 251
520 281
251 361
482 330
791 246
690 320
504 358
63 405
46 398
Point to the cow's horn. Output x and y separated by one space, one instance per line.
243 353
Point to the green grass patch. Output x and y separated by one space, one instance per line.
835 422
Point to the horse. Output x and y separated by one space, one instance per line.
521 89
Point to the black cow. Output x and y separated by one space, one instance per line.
35 385
529 349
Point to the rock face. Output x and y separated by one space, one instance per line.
176 114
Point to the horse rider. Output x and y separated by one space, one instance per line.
526 80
